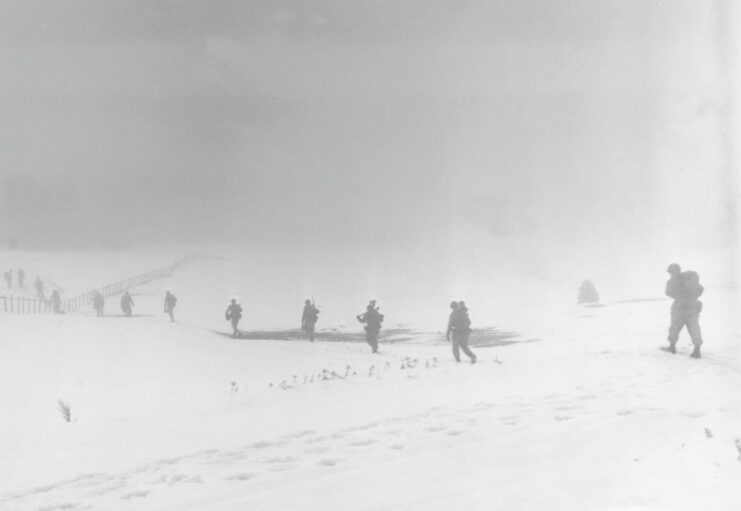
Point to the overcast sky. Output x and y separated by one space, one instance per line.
348 122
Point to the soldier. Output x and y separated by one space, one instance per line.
309 318
39 285
21 277
170 302
56 302
685 289
234 314
127 303
459 325
372 319
9 278
98 304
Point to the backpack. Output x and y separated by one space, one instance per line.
313 314
691 287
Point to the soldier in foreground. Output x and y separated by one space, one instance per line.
372 319
234 314
685 289
459 325
309 319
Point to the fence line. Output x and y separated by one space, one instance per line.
20 305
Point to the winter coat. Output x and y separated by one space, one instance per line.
459 321
310 315
372 318
234 311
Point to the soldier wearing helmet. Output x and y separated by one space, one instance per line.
309 318
685 289
459 325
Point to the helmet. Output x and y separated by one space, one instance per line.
453 304
673 268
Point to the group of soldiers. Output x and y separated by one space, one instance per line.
55 299
683 287
127 304
21 276
459 324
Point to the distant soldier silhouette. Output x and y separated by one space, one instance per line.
21 277
170 302
459 325
127 304
39 285
309 318
372 319
98 304
56 302
685 289
234 314
9 278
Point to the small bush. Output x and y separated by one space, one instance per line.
588 293
65 409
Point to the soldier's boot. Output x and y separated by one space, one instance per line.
696 352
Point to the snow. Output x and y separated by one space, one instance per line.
570 407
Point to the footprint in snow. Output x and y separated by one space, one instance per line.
329 462
244 476
362 442
263 444
138 494
316 450
565 408
235 455
281 459
66 506
693 414
171 479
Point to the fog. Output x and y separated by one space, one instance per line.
562 127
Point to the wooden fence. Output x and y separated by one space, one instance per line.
20 305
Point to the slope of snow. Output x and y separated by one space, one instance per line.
578 410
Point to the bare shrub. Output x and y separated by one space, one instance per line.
65 409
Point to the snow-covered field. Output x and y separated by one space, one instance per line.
569 408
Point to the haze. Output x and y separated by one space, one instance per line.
369 124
